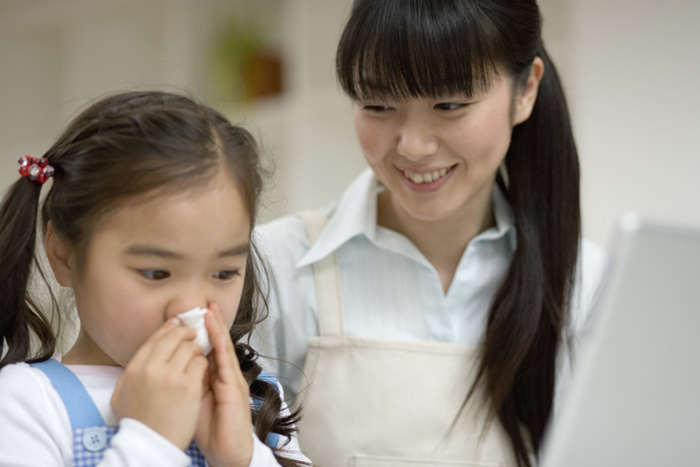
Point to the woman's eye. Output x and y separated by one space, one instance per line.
447 106
226 274
154 274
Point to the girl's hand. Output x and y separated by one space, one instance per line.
224 434
162 385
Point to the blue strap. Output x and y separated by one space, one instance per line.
81 409
269 378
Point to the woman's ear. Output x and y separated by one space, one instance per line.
60 257
525 100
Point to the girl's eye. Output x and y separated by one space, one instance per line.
226 274
447 106
154 274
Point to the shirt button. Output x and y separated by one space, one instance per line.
94 438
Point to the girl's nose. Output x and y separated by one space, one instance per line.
186 300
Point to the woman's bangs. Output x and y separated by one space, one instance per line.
384 55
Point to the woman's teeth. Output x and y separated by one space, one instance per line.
426 177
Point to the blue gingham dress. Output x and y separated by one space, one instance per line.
91 436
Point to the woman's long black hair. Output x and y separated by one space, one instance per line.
123 146
432 48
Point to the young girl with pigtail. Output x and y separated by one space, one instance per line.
148 215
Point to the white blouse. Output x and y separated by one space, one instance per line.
389 289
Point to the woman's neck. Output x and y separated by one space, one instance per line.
441 241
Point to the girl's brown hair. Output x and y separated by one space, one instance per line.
128 145
400 49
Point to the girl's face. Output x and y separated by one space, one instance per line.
438 158
149 261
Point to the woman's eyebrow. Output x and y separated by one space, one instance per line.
241 249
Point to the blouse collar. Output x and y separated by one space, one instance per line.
355 213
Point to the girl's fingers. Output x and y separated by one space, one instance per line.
162 386
117 391
184 354
197 367
219 325
167 345
216 327
227 368
144 351
206 378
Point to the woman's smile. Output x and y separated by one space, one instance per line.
427 179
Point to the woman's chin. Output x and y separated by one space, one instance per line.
428 212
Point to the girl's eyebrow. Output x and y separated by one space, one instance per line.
148 250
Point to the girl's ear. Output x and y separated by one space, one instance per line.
60 257
528 93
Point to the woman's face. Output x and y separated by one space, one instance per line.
438 158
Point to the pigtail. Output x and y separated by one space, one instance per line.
266 417
531 308
20 318
252 310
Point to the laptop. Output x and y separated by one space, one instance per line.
635 397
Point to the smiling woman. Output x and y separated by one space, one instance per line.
149 215
438 303
438 158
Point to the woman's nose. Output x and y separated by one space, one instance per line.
416 141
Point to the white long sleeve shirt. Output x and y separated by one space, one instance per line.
389 289
35 429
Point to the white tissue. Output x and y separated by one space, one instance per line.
194 319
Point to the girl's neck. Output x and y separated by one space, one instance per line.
442 241
86 352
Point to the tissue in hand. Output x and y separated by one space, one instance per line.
194 319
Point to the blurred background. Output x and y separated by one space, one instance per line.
630 69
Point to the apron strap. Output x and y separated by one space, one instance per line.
82 411
327 279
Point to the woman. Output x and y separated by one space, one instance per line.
436 305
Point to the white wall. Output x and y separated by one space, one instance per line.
309 131
58 55
78 50
636 100
629 67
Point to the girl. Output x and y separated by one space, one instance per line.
438 302
148 216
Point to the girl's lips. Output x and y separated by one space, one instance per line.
426 179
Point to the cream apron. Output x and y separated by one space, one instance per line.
383 403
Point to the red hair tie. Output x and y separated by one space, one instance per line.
35 168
